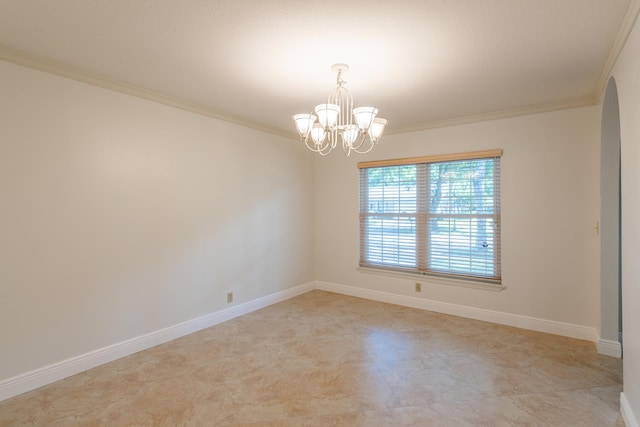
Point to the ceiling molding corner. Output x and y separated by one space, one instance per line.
40 64
628 22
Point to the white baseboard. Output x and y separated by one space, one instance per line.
609 348
42 376
629 418
524 322
46 375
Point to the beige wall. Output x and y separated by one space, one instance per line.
628 82
119 217
549 211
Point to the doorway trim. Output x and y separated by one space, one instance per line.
610 342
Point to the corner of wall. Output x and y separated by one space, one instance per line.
628 416
48 374
609 348
498 317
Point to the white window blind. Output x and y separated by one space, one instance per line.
432 215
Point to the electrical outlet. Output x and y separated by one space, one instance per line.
229 297
418 287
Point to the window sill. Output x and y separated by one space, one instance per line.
434 279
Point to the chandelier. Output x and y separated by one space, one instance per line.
335 120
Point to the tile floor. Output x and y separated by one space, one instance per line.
324 359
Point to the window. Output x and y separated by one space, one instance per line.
435 215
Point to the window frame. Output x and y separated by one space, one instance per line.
422 233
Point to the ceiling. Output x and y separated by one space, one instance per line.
256 62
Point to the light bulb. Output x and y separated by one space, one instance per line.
376 129
304 122
318 134
327 114
364 116
350 134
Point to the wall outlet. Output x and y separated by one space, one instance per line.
418 287
229 297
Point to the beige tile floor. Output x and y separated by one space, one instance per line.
323 359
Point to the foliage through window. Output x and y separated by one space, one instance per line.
432 215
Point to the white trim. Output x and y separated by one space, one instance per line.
628 23
42 376
59 69
434 279
609 348
62 70
516 320
586 101
629 418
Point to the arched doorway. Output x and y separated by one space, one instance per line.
610 226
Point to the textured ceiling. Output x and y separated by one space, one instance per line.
422 63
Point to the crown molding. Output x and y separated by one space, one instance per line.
501 114
62 70
628 22
40 64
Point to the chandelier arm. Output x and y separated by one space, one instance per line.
314 148
358 148
324 153
346 148
331 137
365 151
363 138
336 136
323 149
306 142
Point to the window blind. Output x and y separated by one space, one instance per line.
432 215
